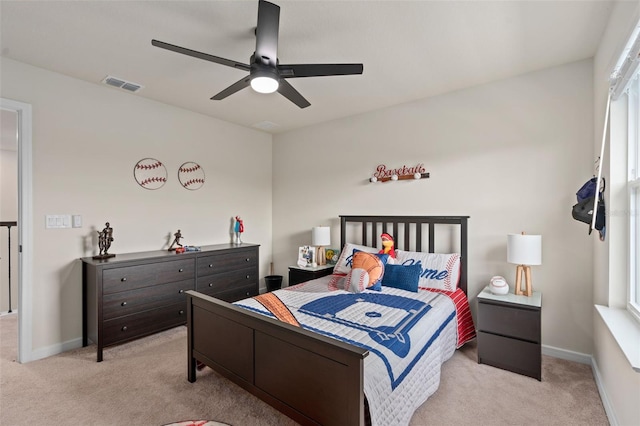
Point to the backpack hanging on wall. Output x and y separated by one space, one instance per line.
583 210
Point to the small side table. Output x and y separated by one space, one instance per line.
509 332
298 274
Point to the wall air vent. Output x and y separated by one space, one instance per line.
123 84
266 125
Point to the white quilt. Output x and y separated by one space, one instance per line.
409 335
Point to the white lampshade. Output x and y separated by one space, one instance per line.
321 236
524 249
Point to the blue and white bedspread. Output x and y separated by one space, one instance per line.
409 336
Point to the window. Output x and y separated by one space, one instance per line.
633 190
625 82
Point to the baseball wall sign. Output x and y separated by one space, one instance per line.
191 175
150 173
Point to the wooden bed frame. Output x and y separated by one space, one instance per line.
309 377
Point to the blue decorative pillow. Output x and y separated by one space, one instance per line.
404 277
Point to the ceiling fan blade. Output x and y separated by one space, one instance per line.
235 87
292 94
267 33
318 70
200 55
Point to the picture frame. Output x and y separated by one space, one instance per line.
332 255
306 256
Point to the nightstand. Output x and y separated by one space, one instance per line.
509 332
298 274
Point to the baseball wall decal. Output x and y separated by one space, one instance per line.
150 173
191 175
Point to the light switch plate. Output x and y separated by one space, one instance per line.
57 221
77 221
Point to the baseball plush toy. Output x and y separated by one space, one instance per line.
388 245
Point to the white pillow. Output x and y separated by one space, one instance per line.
438 271
343 265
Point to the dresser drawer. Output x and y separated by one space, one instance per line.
511 322
237 294
228 281
142 299
132 277
229 261
143 323
510 354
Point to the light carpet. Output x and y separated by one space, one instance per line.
144 382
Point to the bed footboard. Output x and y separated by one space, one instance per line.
309 377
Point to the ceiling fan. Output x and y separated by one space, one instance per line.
266 75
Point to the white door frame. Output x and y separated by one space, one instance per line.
25 228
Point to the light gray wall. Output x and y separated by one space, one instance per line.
621 385
86 140
510 154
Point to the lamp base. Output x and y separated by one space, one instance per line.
526 271
321 257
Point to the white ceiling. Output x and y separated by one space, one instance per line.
410 49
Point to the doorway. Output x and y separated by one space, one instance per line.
19 117
8 210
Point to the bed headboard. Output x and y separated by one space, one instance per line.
410 232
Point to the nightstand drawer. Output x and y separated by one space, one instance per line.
509 321
300 275
510 354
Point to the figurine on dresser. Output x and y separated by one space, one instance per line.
105 237
238 228
176 241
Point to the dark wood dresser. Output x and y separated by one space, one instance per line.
509 332
133 295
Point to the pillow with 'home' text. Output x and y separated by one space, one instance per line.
438 271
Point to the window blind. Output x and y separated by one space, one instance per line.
626 70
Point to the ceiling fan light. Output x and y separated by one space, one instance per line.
264 84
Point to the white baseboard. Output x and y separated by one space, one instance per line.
608 408
567 355
55 349
588 360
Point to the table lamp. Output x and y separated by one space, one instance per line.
524 251
321 238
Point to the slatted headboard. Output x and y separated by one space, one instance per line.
410 232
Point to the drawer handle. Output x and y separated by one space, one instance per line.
210 284
247 276
211 265
123 304
123 279
181 313
124 328
247 259
248 293
181 291
180 270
